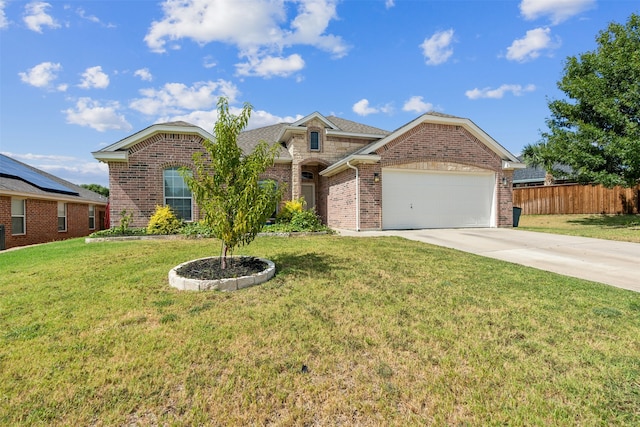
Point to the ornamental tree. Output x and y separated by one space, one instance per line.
541 155
596 130
227 183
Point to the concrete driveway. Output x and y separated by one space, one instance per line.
604 261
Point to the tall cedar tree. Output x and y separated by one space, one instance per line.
596 130
227 186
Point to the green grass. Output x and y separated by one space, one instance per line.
611 227
391 332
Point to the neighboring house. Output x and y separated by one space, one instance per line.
37 207
533 177
436 171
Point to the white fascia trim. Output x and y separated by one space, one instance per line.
507 165
54 197
315 115
111 156
354 159
454 121
152 130
287 129
354 134
283 161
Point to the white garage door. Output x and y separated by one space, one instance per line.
421 199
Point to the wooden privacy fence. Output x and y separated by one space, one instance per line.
576 199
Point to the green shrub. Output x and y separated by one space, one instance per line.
196 229
118 232
125 219
289 209
163 221
306 220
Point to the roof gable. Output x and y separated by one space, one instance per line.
315 115
118 151
438 118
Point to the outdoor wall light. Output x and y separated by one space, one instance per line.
504 180
376 177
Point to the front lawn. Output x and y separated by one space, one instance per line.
368 331
611 227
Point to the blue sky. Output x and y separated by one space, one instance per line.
76 76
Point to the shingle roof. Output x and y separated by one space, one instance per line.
249 139
530 174
355 127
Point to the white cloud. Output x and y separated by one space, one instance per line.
389 4
557 10
362 108
91 18
144 74
36 17
258 35
260 118
531 45
209 62
178 98
417 105
516 90
207 118
42 75
309 25
271 66
100 117
93 77
4 22
437 48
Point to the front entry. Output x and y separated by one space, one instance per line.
309 194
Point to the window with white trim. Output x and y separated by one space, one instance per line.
18 216
92 217
177 194
62 216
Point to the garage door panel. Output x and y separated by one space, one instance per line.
418 199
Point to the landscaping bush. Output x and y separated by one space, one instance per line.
118 232
306 220
289 209
196 229
163 221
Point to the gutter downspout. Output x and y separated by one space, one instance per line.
357 195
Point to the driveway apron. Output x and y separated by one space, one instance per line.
605 261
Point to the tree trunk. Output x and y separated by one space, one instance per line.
223 258
549 179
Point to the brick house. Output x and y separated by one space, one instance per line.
437 171
37 207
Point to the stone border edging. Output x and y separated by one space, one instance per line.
182 237
225 285
143 237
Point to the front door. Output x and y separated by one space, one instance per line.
309 194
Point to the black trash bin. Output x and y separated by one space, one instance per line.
2 242
516 215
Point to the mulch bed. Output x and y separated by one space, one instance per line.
209 268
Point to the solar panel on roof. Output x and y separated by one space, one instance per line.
13 169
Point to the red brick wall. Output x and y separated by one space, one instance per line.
341 202
424 143
42 221
137 186
454 144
